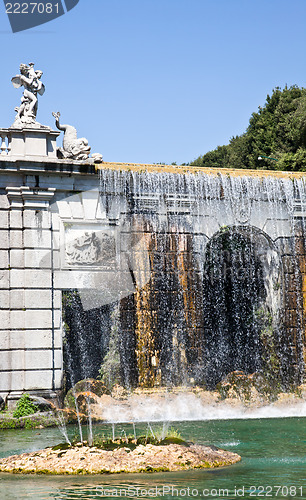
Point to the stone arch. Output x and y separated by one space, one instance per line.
243 299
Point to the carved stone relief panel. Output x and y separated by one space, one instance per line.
88 245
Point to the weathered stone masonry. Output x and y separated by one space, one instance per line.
34 216
30 277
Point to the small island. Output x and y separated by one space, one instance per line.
113 457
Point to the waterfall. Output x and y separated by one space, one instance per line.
217 264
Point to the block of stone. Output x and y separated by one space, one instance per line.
17 258
4 238
4 219
38 379
41 403
37 239
37 258
36 278
4 279
3 259
33 142
16 219
16 238
38 299
4 299
38 318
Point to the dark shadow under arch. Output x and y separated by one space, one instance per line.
242 301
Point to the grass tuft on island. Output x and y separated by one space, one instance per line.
129 455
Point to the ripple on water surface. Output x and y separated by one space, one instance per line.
272 450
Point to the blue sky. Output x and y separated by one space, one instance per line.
153 81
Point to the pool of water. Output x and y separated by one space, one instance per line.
273 465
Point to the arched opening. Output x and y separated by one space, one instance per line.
242 299
95 343
86 338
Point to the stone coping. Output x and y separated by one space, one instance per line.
188 169
54 165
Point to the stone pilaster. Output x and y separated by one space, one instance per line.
30 333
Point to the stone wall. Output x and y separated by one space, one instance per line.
30 285
46 205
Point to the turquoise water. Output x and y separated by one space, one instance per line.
273 465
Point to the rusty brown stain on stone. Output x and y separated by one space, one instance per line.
187 283
147 353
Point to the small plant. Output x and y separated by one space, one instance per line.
25 406
61 447
164 432
160 436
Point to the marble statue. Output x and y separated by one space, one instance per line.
30 80
73 148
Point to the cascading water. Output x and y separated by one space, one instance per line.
82 357
232 296
216 264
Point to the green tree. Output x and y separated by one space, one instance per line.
278 129
216 158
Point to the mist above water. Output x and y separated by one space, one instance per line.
188 407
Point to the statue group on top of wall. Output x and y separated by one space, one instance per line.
30 79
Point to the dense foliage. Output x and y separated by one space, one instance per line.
277 130
25 406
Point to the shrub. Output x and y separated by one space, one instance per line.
25 406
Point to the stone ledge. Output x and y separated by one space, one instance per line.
188 169
41 165
35 165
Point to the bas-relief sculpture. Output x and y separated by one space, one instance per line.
30 80
92 248
73 148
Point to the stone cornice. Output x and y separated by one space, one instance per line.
25 197
38 166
